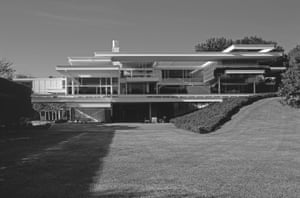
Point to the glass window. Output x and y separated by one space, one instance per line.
89 81
115 90
108 91
103 92
108 81
115 81
103 81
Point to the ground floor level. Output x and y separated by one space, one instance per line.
121 112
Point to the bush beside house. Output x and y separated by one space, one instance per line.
215 115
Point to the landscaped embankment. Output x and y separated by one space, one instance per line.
215 115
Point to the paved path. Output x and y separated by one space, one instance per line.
256 154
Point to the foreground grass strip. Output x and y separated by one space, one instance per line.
65 169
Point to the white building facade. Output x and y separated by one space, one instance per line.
123 86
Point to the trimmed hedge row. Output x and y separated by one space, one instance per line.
213 116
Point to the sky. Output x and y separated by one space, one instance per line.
37 35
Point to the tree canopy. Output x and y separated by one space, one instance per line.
294 57
219 44
214 44
6 70
290 87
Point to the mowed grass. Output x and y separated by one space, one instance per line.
256 154
58 162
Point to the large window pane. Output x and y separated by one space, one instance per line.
89 81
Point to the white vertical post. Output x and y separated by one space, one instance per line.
66 86
111 86
119 82
219 84
72 84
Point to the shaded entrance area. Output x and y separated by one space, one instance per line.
145 112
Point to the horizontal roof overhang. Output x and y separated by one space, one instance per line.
89 60
278 68
262 48
179 64
88 68
243 71
207 56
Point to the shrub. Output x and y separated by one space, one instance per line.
215 115
290 88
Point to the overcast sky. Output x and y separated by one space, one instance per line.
37 35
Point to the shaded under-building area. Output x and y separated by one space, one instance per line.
149 112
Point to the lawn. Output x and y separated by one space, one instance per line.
256 154
58 162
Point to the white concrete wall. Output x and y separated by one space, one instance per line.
48 85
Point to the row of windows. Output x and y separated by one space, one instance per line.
176 74
96 81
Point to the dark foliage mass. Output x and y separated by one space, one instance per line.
15 102
213 116
219 44
290 86
6 70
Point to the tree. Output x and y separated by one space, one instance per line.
290 87
294 57
258 40
214 44
6 70
219 44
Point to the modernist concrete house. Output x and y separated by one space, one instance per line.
127 86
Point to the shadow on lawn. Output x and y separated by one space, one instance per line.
64 170
125 193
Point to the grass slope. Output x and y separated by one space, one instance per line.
256 154
215 115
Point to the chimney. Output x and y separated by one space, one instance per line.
115 46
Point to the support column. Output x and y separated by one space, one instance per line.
111 86
72 83
254 87
66 86
150 112
219 84
119 85
70 114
